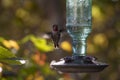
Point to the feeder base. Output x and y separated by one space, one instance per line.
76 65
78 68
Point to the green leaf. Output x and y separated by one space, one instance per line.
10 62
7 57
41 44
1 39
4 53
25 39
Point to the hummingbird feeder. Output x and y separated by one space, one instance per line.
78 24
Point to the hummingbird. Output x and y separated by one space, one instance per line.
55 35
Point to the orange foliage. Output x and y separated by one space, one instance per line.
67 77
39 58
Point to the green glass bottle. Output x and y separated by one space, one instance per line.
78 23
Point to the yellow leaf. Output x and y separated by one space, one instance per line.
14 44
6 43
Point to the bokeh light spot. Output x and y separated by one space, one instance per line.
97 14
7 3
100 40
65 45
21 13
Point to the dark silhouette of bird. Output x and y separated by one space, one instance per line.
55 35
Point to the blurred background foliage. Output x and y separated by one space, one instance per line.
23 27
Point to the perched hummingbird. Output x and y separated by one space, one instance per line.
56 33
